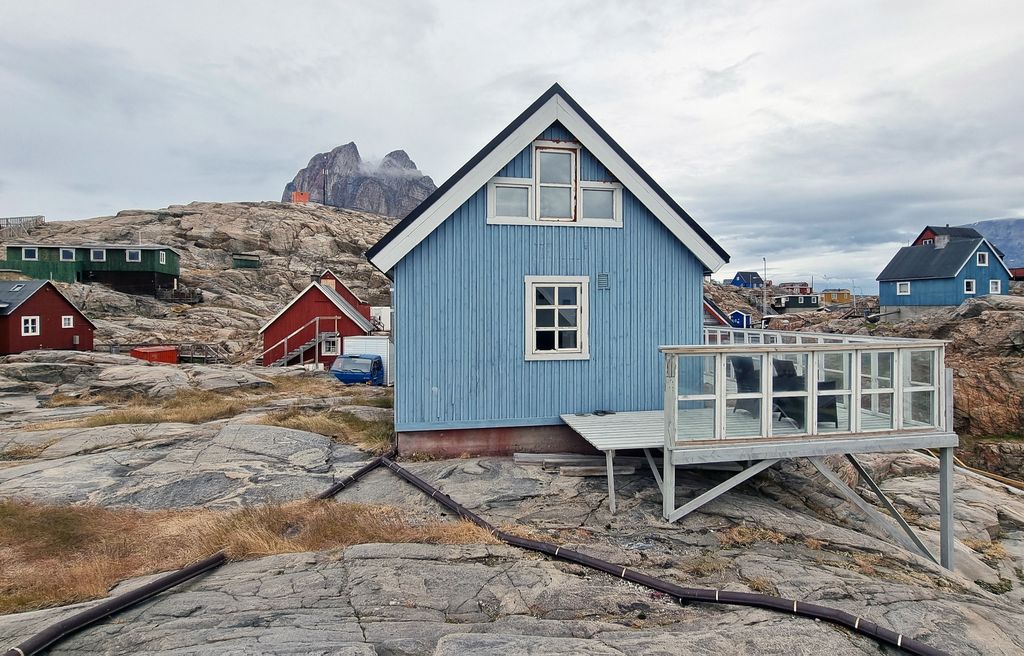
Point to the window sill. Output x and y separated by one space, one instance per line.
585 223
540 357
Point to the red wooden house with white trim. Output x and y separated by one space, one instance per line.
310 329
35 315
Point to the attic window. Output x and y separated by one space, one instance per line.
982 259
556 184
927 242
17 288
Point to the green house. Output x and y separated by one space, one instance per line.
133 269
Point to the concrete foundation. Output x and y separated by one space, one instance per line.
908 311
493 441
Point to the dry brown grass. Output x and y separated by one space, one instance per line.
52 555
991 552
763 585
373 435
866 563
813 544
704 565
739 536
24 451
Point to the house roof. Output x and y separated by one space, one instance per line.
133 247
335 298
15 292
717 312
747 275
554 105
927 262
957 232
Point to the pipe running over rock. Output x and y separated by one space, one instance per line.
79 621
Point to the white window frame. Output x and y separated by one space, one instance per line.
981 258
333 351
995 286
900 291
128 255
532 184
67 321
927 242
67 259
24 253
582 317
26 326
92 255
574 152
970 282
163 257
18 287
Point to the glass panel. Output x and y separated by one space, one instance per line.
789 372
743 374
834 371
567 295
566 318
696 420
512 201
876 411
567 339
789 415
876 369
545 318
696 374
744 419
545 296
834 414
556 202
555 167
919 409
545 340
919 368
598 204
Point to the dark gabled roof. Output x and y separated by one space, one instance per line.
11 299
555 89
711 305
955 232
926 261
748 276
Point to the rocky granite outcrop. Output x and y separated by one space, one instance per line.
393 187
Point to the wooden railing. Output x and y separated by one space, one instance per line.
751 384
309 331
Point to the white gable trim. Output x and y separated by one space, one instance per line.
555 109
338 301
992 256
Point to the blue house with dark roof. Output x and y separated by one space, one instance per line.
944 267
539 280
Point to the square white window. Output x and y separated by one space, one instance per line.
969 286
67 321
97 255
133 255
556 184
67 255
29 326
903 289
557 318
982 259
995 286
599 204
30 254
329 346
163 257
512 201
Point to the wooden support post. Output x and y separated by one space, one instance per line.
610 464
721 489
946 507
654 467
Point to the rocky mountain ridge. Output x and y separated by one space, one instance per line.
342 178
1007 235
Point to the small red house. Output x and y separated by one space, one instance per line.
309 330
35 315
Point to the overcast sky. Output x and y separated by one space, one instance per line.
821 135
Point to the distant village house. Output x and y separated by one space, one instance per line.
747 279
132 269
786 303
35 315
836 296
796 288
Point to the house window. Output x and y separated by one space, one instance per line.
163 257
329 346
982 259
30 254
800 300
97 255
903 289
17 288
67 255
29 326
556 184
927 242
133 255
557 317
67 321
511 200
995 287
969 286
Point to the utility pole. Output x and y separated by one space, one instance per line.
853 293
764 288
325 182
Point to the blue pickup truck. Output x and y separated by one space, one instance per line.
366 369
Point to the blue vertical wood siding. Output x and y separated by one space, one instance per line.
949 291
459 317
591 169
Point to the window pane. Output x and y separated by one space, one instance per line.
555 167
834 413
545 340
566 318
598 204
556 202
696 374
545 296
545 318
876 411
567 295
567 339
511 201
919 368
744 377
833 371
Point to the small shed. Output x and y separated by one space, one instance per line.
739 319
163 354
245 261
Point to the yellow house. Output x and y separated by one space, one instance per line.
830 296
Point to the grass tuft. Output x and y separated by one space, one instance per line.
739 536
373 435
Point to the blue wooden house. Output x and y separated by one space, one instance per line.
539 280
739 319
944 268
747 279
